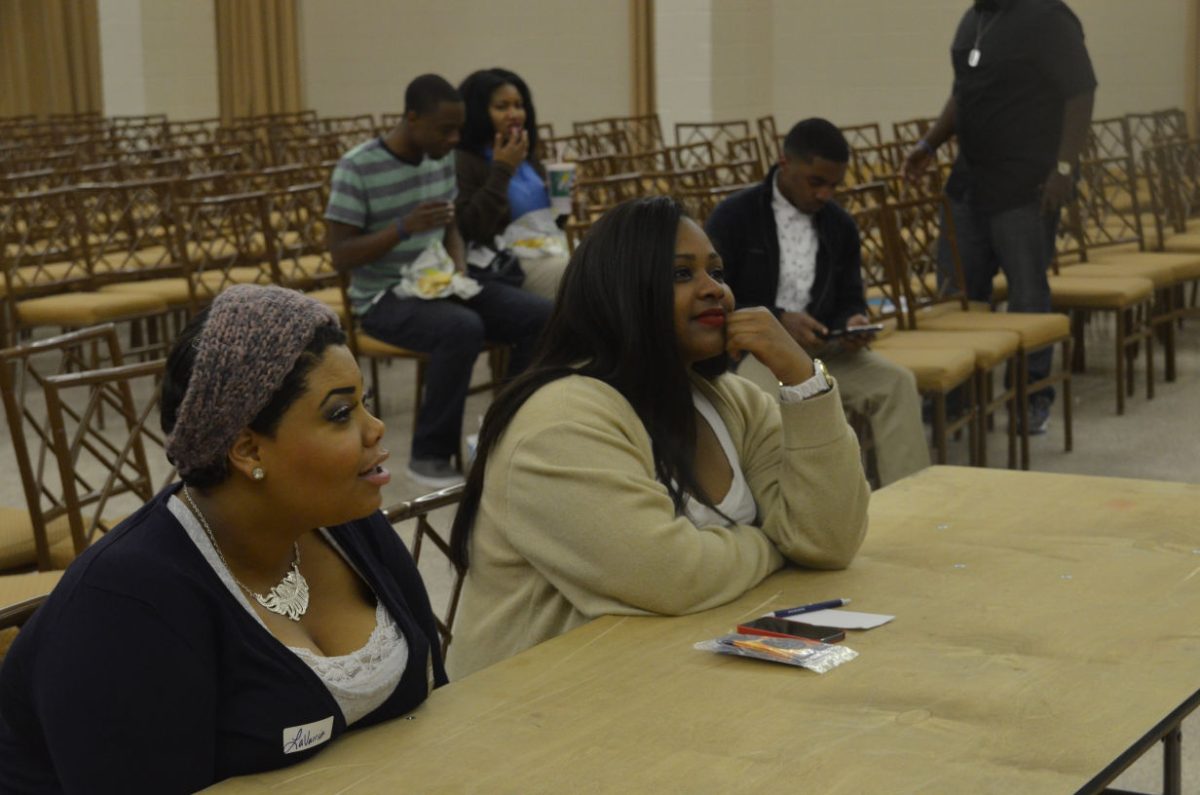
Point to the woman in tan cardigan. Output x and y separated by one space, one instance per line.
626 472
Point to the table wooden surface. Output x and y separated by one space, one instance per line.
1045 624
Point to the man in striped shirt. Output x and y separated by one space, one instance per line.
390 211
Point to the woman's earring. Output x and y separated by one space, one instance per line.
257 473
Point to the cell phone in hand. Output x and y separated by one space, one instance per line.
869 330
783 628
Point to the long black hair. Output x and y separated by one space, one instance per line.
476 90
613 321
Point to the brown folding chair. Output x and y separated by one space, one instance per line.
39 534
419 509
884 263
224 240
110 452
937 300
862 135
717 133
20 597
48 279
772 141
564 149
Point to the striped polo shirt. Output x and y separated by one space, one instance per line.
372 188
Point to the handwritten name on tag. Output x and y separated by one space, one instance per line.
301 738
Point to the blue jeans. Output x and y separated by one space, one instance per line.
1019 241
452 331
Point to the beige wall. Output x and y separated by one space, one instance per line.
683 61
876 60
850 60
121 68
159 56
742 64
357 57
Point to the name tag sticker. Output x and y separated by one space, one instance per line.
301 738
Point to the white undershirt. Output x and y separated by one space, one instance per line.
798 246
738 503
359 681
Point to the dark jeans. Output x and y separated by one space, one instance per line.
452 331
1019 241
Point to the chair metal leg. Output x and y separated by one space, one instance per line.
939 426
1078 321
1122 352
1068 433
1164 321
982 415
1150 363
1023 404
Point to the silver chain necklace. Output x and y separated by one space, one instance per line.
289 598
980 32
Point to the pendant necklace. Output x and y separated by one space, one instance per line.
289 598
980 32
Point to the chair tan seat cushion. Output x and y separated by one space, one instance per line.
86 308
305 270
1184 265
149 257
1161 273
1182 242
16 537
33 276
330 296
17 588
936 369
990 347
1083 292
173 291
1036 330
216 280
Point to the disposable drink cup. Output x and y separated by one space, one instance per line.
562 180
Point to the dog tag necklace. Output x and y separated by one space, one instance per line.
980 31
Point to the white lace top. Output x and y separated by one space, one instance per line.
738 503
359 681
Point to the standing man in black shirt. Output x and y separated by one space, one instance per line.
1021 106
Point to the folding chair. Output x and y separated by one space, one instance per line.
419 509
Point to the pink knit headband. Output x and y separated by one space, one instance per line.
250 342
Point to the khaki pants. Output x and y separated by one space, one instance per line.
884 393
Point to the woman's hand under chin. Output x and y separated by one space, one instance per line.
755 330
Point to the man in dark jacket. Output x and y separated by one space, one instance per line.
788 247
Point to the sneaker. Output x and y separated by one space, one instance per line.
1039 415
434 472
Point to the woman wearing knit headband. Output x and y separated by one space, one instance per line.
244 618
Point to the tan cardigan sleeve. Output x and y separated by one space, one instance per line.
582 505
803 464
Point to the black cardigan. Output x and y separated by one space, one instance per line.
142 672
742 229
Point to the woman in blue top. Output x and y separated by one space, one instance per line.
499 176
248 615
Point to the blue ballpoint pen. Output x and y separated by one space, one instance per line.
815 606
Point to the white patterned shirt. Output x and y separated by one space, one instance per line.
797 253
